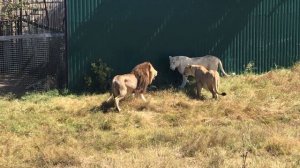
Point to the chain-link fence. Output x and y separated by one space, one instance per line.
32 45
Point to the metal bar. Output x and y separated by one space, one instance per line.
31 36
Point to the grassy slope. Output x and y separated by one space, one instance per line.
260 114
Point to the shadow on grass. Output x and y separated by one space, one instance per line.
148 106
105 107
191 92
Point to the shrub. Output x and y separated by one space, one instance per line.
250 68
99 77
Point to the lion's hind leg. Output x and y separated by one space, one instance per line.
199 89
117 101
143 97
214 94
213 91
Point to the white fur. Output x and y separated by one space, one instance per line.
208 61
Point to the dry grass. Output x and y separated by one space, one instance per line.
260 114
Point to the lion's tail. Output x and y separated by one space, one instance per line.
217 86
114 91
115 88
222 69
222 94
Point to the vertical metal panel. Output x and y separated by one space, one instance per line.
125 33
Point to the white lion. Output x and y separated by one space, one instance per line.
209 62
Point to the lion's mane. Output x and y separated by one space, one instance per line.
143 73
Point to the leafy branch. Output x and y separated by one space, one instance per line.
10 8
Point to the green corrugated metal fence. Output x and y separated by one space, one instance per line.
125 33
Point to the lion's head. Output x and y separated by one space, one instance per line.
145 74
188 71
174 62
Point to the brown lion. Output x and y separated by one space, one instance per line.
207 79
137 82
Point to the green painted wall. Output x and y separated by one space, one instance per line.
124 33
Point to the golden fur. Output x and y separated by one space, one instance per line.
136 81
180 62
208 79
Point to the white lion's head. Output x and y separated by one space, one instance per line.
174 63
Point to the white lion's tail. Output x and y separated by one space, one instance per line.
221 67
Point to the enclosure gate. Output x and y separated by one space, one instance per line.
32 45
